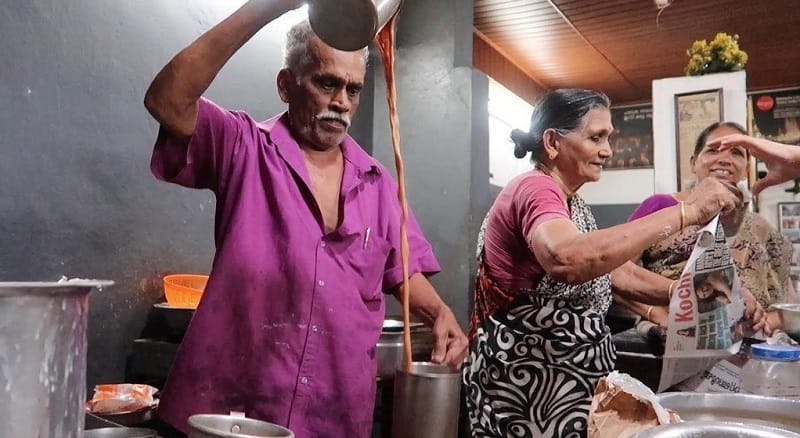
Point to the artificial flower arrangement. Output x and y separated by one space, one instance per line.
722 54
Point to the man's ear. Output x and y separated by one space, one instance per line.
285 83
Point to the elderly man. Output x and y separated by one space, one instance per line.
307 239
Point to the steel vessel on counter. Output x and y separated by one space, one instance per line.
227 426
426 401
775 412
714 429
790 318
350 24
43 357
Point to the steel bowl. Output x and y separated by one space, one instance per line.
757 410
790 318
714 429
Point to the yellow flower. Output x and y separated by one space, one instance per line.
720 55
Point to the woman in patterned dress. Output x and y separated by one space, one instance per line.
760 254
538 340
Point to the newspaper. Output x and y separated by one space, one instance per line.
705 325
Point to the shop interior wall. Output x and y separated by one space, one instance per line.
77 197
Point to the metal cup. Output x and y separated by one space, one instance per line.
426 401
350 25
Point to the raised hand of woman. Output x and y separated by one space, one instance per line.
709 198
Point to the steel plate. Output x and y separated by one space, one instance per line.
750 409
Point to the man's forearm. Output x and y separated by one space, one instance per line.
173 94
423 300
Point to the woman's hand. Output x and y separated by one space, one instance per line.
782 160
754 312
709 198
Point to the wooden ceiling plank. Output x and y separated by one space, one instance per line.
620 32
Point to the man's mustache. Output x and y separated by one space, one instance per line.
333 115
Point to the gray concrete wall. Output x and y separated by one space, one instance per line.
77 197
445 145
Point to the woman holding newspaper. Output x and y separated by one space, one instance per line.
539 342
760 254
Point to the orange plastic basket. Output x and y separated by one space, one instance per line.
184 290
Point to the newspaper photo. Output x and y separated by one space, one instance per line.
705 318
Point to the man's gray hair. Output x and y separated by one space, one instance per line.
296 54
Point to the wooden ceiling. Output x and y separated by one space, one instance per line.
617 46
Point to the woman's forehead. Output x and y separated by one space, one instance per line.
597 119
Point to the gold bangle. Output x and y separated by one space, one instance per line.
669 291
683 214
649 311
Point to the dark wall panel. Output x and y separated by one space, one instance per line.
612 214
442 139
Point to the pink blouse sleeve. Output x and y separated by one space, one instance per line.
537 200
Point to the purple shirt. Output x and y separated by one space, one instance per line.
652 205
288 323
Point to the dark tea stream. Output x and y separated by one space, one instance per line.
385 40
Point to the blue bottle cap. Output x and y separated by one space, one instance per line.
775 352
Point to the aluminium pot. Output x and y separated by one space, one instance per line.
43 357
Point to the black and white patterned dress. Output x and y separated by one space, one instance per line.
533 366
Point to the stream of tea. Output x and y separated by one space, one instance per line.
385 40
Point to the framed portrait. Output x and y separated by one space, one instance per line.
789 227
632 139
693 112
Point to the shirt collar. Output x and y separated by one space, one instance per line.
277 129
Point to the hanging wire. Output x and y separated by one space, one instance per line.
661 5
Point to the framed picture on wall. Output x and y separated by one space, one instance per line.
775 115
632 140
789 226
693 112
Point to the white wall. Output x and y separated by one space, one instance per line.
619 187
506 112
633 186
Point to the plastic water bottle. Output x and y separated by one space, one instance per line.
773 370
